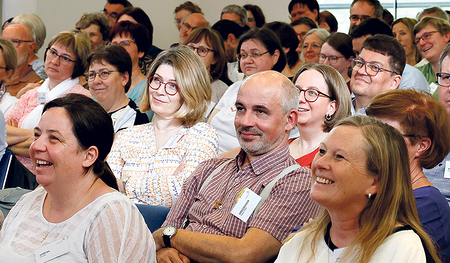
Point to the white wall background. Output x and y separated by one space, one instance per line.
60 15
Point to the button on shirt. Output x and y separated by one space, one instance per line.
288 205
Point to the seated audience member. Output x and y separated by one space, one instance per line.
65 62
438 175
361 10
377 69
434 11
328 21
153 160
403 31
425 126
96 26
38 34
208 44
184 10
431 36
190 23
113 8
230 32
77 205
109 79
361 178
262 124
325 100
411 77
304 8
289 42
137 15
8 64
387 17
234 13
134 38
255 16
20 36
337 51
301 26
312 44
259 50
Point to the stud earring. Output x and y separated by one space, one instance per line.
328 117
369 195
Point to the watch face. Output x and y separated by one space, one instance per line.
169 230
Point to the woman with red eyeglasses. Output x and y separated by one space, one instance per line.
151 161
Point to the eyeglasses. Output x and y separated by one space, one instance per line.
313 46
332 59
113 14
3 68
426 36
156 82
16 42
123 43
63 59
250 19
253 55
312 95
372 68
188 27
102 74
201 51
356 18
443 79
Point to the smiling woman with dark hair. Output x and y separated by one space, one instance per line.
77 206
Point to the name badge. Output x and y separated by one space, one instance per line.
52 250
447 170
433 87
41 98
173 141
246 204
337 254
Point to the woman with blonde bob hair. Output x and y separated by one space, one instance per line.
152 161
325 101
361 178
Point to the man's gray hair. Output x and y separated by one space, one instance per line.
36 27
238 10
433 10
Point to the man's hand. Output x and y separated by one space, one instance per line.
170 255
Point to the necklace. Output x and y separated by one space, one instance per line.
423 176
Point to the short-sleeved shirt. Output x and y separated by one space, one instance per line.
288 205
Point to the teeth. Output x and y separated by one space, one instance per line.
323 180
302 110
42 162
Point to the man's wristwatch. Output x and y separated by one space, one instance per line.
167 233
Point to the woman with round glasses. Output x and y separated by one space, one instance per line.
109 80
65 61
258 50
151 161
337 51
134 38
431 36
324 99
208 44
312 44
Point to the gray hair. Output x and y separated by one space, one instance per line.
433 10
36 27
238 10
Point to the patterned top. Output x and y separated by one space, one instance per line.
288 205
156 176
109 229
25 105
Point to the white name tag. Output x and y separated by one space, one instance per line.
246 204
433 87
447 169
173 141
337 254
52 250
41 98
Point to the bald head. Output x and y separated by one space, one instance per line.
266 111
20 35
190 23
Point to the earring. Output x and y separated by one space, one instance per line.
369 195
328 117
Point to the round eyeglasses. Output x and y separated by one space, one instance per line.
311 95
102 74
332 59
155 82
201 51
372 68
253 55
63 59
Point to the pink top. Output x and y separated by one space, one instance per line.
26 104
